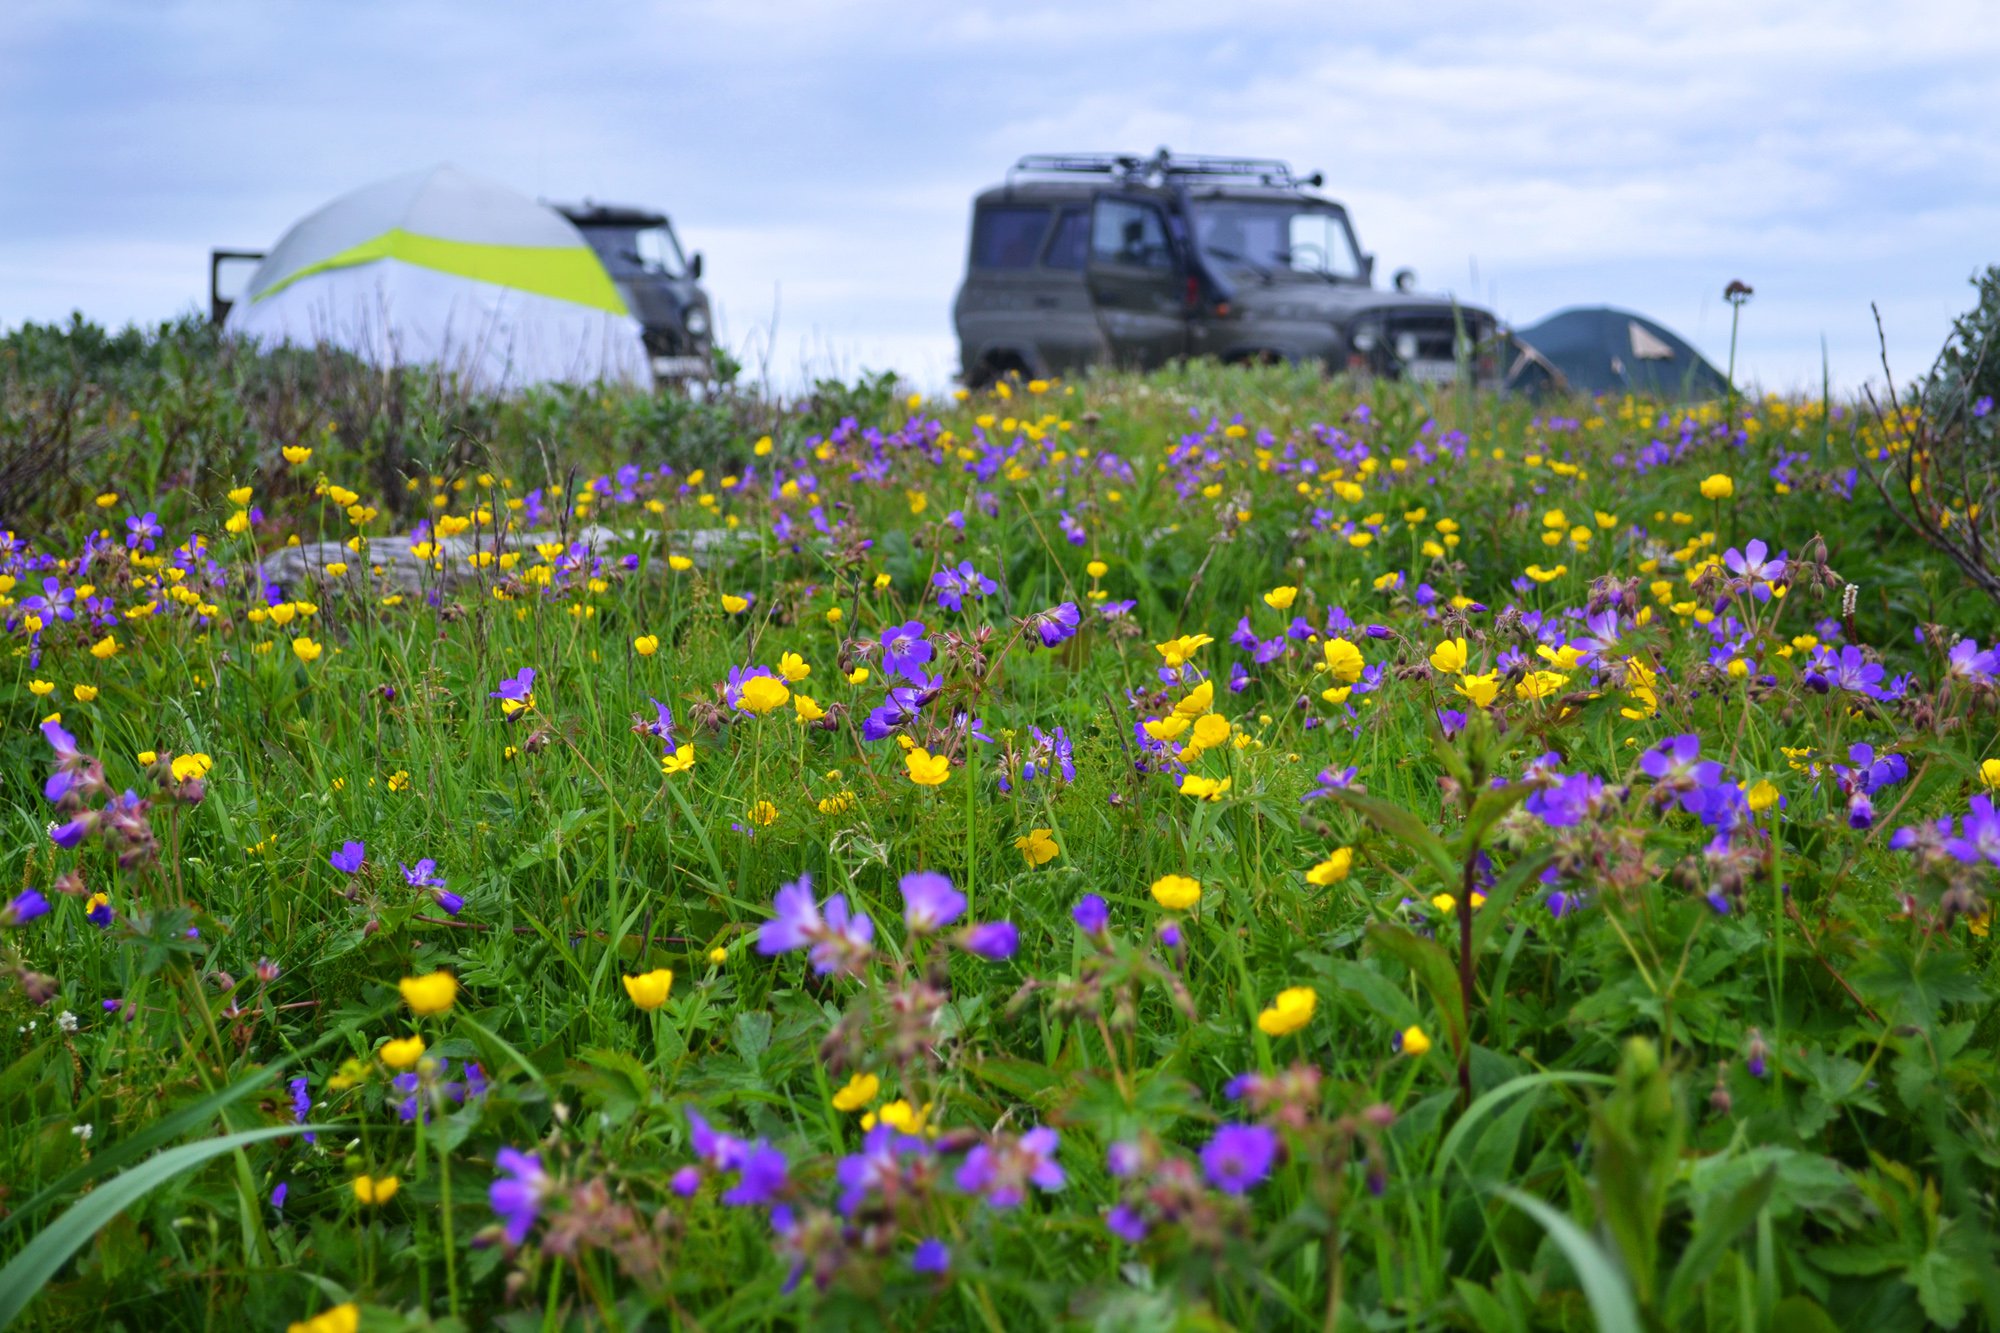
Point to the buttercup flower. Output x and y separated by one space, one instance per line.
649 989
430 994
1289 1012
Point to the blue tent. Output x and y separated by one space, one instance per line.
1598 350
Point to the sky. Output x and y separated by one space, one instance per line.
822 155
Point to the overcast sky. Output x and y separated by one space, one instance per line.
822 155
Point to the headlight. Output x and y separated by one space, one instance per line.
697 320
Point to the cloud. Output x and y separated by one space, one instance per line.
828 153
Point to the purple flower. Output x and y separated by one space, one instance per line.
932 1256
422 875
1239 1157
905 650
761 1176
349 858
930 903
994 941
1750 563
25 907
101 915
516 1194
1122 1159
1091 914
278 1194
685 1182
1979 834
796 918
1057 623
1331 780
1566 803
517 690
1675 764
954 585
839 939
301 1090
661 726
1126 1222
1001 1171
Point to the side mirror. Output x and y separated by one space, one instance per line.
1405 279
1368 269
694 266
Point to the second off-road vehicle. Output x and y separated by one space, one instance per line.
1115 259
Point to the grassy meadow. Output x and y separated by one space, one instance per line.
1214 850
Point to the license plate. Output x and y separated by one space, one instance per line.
680 367
1432 372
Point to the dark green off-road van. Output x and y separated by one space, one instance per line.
1114 259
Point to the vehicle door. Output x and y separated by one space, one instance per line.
1068 331
997 312
1137 281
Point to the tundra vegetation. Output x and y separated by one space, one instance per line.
1217 849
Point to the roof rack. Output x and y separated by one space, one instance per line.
1162 167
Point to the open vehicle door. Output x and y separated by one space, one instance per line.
228 275
1137 282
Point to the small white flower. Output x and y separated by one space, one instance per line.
66 1021
81 1131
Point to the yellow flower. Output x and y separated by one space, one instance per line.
378 1190
646 645
1292 1010
1539 684
1210 730
735 605
1717 486
1449 656
399 780
1203 789
808 708
760 694
345 1318
718 955
649 990
106 500
1762 795
1168 728
403 1053
1332 870
1038 846
833 615
1989 772
188 766
1179 651
297 454
106 647
1197 700
39 688
1281 598
680 761
794 668
429 994
1344 660
680 564
762 813
1176 893
858 676
903 1117
1540 575
148 756
1415 1041
305 649
860 1090
1097 569
1482 690
927 769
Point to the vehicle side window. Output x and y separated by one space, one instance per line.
1131 234
1008 236
1069 246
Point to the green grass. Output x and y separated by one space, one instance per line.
1582 1145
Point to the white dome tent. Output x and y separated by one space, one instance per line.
440 268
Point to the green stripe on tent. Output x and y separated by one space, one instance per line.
567 273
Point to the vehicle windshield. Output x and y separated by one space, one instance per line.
1276 237
633 249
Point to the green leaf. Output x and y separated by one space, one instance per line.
1490 1101
1433 970
753 1035
1944 1285
1714 1235
1604 1286
1491 806
22 1279
1405 828
1379 993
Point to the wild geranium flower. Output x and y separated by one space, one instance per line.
931 1257
905 650
838 939
516 695
930 903
516 1194
424 875
348 860
1091 914
1057 624
1001 1171
995 941
1849 671
1756 562
1566 803
22 908
1237 1158
955 585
